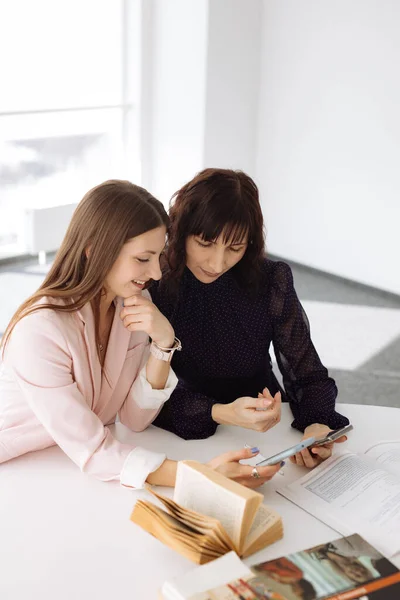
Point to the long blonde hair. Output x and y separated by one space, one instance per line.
107 217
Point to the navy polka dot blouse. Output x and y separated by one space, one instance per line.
226 336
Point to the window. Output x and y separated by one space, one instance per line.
66 108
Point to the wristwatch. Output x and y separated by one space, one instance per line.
165 354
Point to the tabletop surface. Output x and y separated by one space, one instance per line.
64 535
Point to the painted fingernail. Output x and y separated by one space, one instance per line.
283 463
255 449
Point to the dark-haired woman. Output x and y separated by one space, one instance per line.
228 303
77 352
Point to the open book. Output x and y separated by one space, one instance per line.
356 493
209 516
344 569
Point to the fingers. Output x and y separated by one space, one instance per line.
136 305
134 322
278 397
137 300
259 403
263 400
236 455
135 317
135 310
228 462
310 458
276 402
322 452
298 460
341 439
266 474
304 459
269 471
266 419
267 394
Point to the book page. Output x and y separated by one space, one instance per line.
173 533
194 491
264 519
201 523
352 495
387 454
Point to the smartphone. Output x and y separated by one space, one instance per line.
333 435
277 458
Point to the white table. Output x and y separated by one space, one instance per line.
64 535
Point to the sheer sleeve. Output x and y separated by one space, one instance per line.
187 414
309 389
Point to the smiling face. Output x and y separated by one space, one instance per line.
208 260
137 263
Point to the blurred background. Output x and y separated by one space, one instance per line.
302 95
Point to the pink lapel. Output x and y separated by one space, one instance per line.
116 353
87 317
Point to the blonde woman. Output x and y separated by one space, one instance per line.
77 352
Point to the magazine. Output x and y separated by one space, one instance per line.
344 569
356 493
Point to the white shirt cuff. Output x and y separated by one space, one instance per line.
147 397
138 465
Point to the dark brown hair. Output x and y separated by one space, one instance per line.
107 217
215 202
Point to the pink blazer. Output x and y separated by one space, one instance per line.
52 392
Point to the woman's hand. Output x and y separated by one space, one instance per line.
311 457
228 464
260 413
140 314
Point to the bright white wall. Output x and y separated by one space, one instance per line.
233 79
200 84
176 84
329 135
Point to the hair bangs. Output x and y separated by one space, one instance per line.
211 224
236 233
